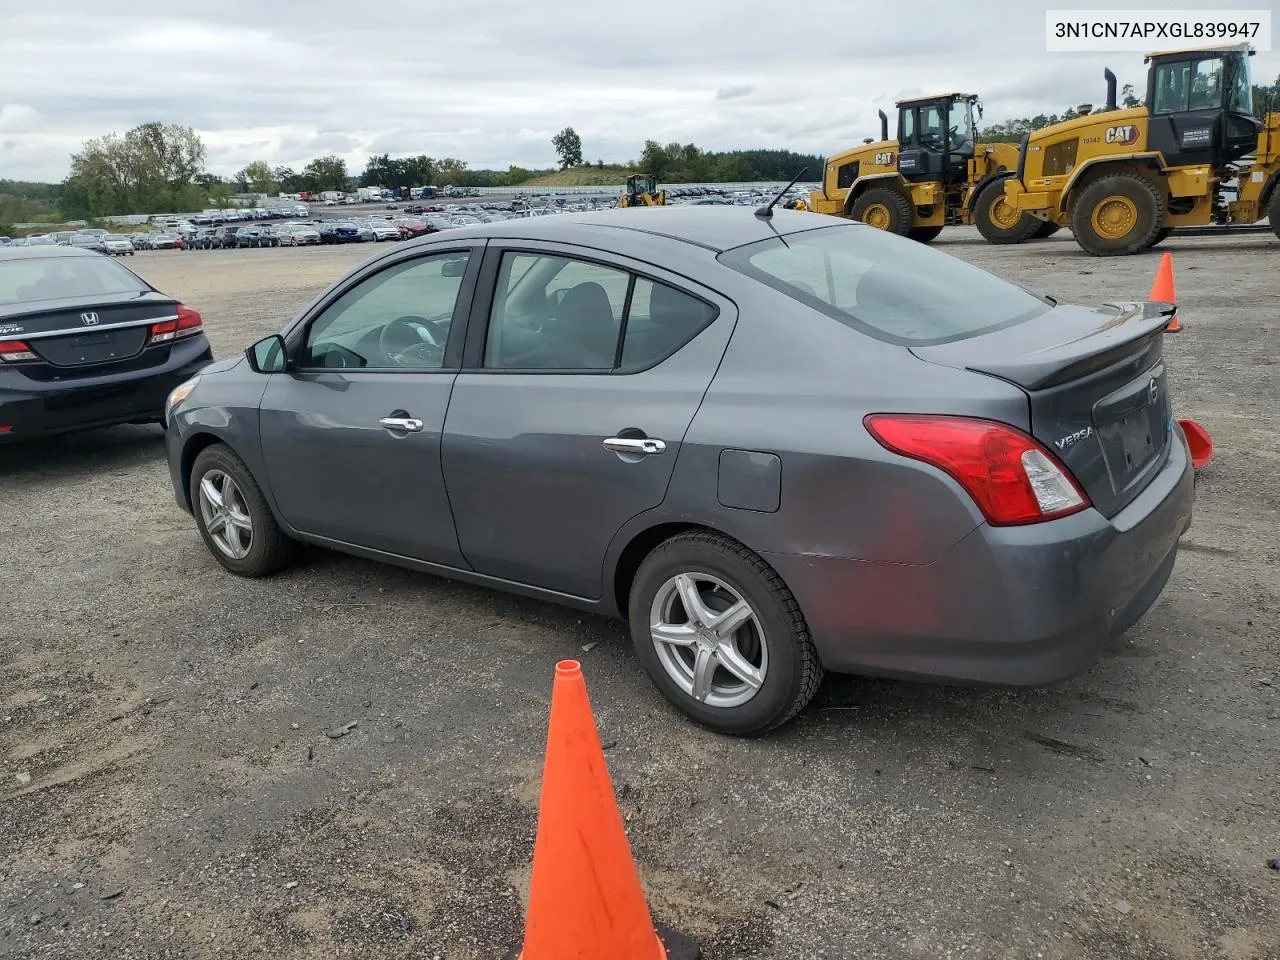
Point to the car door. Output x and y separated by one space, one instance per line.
580 380
351 433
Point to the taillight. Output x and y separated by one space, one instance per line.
189 321
1012 477
14 350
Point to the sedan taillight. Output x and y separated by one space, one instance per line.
188 322
13 351
1012 477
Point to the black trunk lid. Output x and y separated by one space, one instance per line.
75 339
1096 384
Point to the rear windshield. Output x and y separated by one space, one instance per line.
53 278
885 285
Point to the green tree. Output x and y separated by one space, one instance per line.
1127 97
516 175
327 173
147 170
569 146
258 177
654 160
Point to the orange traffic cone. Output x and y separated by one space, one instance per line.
585 899
1163 290
1199 443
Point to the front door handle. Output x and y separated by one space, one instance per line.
644 445
402 424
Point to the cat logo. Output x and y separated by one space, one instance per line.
1123 136
884 159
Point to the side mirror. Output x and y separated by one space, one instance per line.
268 355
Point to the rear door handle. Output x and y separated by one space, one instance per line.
645 445
402 424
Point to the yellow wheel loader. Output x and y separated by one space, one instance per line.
1193 155
932 175
642 191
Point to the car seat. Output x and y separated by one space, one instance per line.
587 327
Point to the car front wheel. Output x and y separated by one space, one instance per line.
721 636
233 517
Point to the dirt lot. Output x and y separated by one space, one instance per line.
167 788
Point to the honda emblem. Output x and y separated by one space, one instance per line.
89 319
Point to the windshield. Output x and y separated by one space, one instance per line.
887 286
55 278
1241 85
961 124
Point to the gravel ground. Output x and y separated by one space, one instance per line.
168 790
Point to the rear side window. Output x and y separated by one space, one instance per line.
885 285
53 278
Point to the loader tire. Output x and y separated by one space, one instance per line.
885 209
1161 236
1117 215
997 221
1045 230
1273 211
924 234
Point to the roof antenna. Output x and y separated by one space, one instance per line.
766 212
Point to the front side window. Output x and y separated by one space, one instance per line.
1206 85
907 121
398 318
1188 85
931 127
885 285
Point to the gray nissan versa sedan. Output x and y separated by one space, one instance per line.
776 445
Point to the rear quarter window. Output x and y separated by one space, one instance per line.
890 287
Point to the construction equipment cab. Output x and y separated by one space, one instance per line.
642 191
934 174
1194 154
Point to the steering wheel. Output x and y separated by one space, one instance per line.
411 341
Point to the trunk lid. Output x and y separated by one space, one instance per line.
1096 386
74 340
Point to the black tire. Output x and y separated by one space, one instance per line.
1146 200
991 230
900 213
1273 211
1161 236
924 234
794 670
1046 229
269 547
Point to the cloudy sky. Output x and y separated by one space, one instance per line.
285 81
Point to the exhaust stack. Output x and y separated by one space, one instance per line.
884 125
1111 88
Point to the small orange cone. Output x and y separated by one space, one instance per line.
585 898
1163 290
1199 443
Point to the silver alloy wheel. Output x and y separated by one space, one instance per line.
708 639
225 515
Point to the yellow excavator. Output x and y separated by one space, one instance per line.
642 191
932 175
1194 155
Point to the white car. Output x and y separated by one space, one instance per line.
384 230
298 236
118 246
331 203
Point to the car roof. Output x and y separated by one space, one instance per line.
713 228
43 251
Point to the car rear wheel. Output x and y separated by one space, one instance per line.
721 636
233 517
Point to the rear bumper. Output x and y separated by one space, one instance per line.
1007 605
34 409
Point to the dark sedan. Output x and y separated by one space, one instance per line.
86 343
774 444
